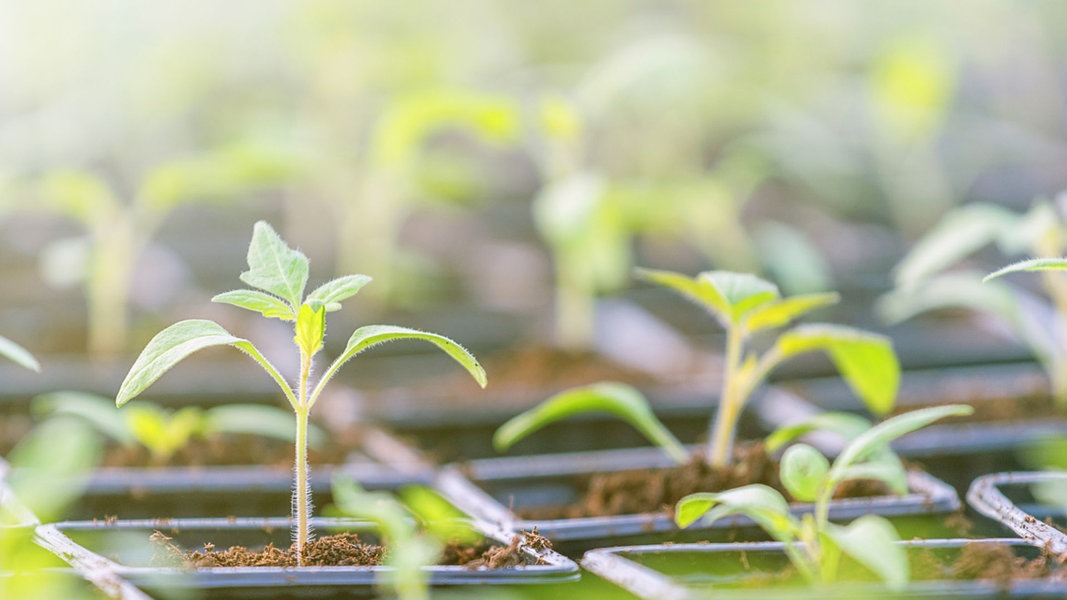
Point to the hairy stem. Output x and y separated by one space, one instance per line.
301 489
723 428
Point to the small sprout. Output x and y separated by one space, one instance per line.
280 274
616 399
812 543
163 432
925 279
744 305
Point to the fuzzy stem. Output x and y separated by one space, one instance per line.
301 489
720 448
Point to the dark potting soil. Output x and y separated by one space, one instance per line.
658 490
340 550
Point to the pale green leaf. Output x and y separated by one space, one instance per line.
844 424
332 293
803 471
865 360
275 267
961 232
269 306
79 195
565 210
371 335
18 355
437 515
695 290
792 258
887 469
885 432
379 507
742 292
617 399
1034 264
310 328
962 289
167 349
98 411
872 541
758 502
259 419
781 312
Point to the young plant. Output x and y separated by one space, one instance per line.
279 274
813 544
745 305
926 279
164 432
617 399
118 230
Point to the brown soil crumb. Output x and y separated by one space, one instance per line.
338 550
656 490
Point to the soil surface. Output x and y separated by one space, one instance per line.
340 550
995 562
658 490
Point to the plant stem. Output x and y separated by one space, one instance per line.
723 428
301 489
575 309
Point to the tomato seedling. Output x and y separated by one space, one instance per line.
279 275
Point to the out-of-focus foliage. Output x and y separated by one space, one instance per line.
698 121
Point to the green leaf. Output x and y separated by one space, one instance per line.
803 471
695 290
310 328
79 195
372 335
267 305
961 232
743 292
259 419
1034 264
275 267
97 411
865 360
872 541
781 312
885 432
886 468
844 424
173 344
758 502
437 515
18 355
617 399
332 293
950 290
